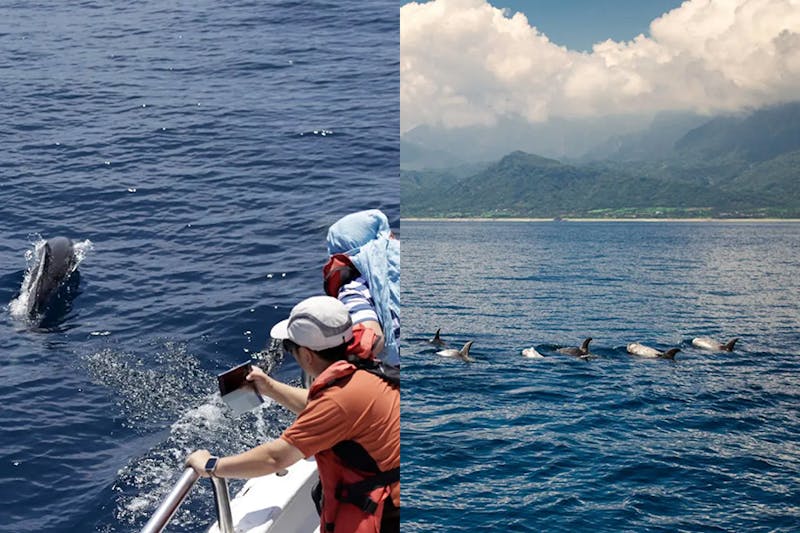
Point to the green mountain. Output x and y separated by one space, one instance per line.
777 178
747 166
525 185
757 137
422 189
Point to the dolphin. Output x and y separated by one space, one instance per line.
54 265
463 353
708 343
531 353
437 340
641 350
577 352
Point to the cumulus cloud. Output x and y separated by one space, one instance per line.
465 63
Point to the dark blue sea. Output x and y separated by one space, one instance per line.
198 151
707 442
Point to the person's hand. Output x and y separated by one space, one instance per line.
261 381
197 460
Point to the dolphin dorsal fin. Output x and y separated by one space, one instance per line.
585 345
670 354
464 351
729 347
436 336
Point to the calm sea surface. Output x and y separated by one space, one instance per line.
202 148
709 442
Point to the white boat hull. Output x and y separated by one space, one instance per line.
277 504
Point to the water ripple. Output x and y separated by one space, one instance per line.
708 442
180 140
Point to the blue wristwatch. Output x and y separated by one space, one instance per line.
211 465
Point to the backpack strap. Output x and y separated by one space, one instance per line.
388 373
354 456
358 493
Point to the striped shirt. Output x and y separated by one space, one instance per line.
356 297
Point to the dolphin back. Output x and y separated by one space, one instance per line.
55 264
577 352
707 343
641 350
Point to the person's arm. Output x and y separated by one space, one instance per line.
377 347
259 461
356 297
292 398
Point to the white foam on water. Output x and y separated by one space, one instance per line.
146 481
18 307
171 390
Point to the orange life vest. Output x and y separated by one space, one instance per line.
353 497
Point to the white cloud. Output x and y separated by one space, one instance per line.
464 62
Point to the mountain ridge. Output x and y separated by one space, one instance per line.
738 166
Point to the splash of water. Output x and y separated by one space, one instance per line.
171 388
270 357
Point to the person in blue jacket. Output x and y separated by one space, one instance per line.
363 272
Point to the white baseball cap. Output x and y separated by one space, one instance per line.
318 323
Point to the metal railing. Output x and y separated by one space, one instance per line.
170 505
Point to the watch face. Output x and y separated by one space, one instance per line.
211 464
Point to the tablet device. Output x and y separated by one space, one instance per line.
238 393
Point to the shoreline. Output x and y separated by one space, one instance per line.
522 219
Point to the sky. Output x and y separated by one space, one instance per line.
578 24
473 62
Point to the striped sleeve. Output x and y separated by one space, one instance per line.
356 297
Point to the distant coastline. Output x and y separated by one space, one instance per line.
522 219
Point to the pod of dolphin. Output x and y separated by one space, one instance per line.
582 352
56 262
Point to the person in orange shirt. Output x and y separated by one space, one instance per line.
349 420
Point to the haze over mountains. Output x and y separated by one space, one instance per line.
676 164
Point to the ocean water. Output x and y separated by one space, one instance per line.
707 442
198 151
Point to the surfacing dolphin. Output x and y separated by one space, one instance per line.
531 353
437 340
641 350
707 343
463 353
53 267
583 351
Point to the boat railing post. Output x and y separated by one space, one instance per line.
170 505
174 499
222 500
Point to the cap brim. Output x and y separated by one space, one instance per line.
280 330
